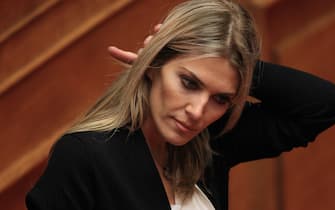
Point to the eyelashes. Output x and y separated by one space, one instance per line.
192 85
189 83
222 99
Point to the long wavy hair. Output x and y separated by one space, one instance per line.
211 28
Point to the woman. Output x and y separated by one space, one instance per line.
169 129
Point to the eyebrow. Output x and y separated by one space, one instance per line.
229 94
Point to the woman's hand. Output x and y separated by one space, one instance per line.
128 57
123 56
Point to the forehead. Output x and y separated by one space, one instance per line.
216 73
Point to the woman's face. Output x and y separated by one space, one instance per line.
187 95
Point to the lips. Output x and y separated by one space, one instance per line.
184 127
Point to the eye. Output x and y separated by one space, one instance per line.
222 99
189 83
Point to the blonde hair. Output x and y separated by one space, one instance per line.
219 28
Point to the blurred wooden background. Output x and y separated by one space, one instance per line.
54 64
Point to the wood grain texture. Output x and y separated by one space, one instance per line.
17 14
27 105
25 51
312 48
64 78
13 198
308 173
43 105
286 18
256 185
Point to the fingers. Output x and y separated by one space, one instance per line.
157 27
128 57
147 40
122 55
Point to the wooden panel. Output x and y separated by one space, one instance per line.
264 3
49 100
309 173
256 185
288 17
311 50
16 14
299 34
46 36
26 97
13 198
260 4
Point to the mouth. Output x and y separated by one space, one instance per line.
184 127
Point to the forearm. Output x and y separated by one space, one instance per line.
297 95
295 107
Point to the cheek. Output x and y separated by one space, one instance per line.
170 94
165 95
214 114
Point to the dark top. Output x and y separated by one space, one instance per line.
115 171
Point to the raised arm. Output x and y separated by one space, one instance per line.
295 107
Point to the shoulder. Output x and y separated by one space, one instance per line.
91 138
75 153
67 152
98 146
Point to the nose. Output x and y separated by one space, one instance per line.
196 107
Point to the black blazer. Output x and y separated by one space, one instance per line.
115 171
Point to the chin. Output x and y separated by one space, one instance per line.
173 136
178 143
178 140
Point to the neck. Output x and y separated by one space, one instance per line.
158 150
157 146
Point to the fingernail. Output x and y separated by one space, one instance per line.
157 27
148 39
